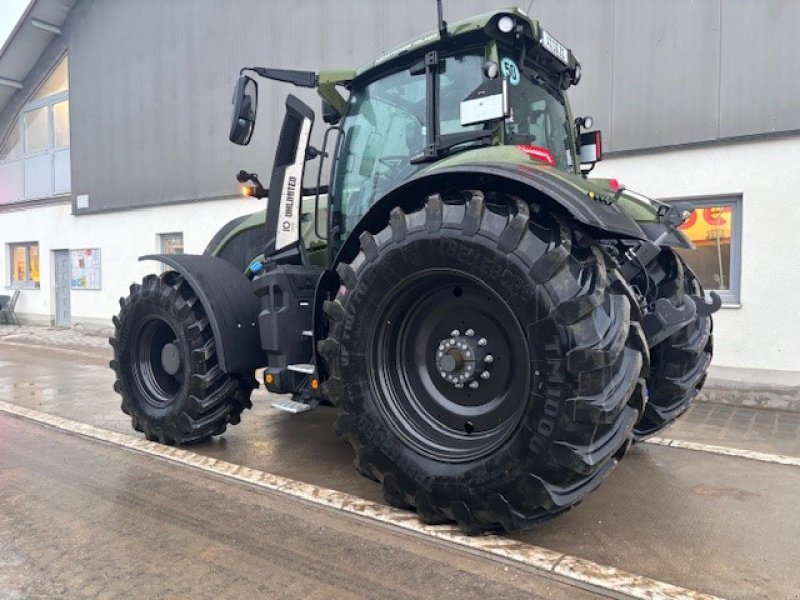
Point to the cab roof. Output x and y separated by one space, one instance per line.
454 29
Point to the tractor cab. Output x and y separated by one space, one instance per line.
494 80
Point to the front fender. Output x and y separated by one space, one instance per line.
527 181
230 305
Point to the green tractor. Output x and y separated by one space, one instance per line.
493 327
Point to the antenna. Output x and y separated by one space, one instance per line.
442 22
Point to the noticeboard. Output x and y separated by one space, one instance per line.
85 269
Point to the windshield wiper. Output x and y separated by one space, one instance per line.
448 141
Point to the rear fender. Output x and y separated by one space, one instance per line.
534 184
230 304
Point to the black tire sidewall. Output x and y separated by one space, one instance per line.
478 256
130 328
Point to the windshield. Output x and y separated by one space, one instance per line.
385 126
538 114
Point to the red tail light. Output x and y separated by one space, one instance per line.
538 153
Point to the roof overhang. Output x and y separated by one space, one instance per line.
39 24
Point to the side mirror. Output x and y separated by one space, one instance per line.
245 105
590 149
487 102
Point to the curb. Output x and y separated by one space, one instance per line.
760 395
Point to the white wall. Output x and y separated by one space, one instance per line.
764 332
761 333
122 238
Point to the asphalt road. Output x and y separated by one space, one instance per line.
719 524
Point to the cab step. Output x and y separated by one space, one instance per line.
304 368
292 406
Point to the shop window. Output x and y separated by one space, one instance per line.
24 265
715 228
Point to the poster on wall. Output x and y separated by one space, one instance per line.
85 269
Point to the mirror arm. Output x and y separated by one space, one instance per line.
299 78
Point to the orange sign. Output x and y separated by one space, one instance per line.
707 225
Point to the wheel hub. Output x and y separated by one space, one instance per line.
171 357
449 365
463 358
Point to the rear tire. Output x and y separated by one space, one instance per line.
679 364
564 388
166 365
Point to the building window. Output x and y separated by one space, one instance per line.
35 154
61 123
37 131
170 243
715 228
24 265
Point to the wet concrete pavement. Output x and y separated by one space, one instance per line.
83 520
718 524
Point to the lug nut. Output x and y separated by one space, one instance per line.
482 342
455 333
459 385
485 375
488 359
443 374
469 332
474 385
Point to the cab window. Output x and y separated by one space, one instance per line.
385 126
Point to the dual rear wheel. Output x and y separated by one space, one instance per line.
483 362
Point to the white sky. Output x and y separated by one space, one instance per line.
10 12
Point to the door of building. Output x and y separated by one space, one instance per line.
63 318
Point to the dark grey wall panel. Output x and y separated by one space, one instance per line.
666 72
760 83
151 90
151 80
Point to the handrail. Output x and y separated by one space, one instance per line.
323 154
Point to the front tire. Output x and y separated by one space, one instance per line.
166 365
563 390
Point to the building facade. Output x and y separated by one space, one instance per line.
114 119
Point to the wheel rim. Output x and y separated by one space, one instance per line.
157 364
449 365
